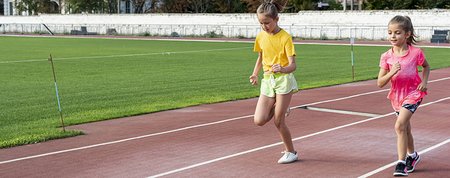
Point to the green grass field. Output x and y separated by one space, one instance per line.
101 79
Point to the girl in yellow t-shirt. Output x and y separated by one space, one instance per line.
277 58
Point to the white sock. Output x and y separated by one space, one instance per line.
413 155
401 161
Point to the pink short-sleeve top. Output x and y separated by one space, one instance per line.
404 83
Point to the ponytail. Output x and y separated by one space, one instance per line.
271 8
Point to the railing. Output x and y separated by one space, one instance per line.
239 31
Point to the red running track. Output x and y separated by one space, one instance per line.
220 140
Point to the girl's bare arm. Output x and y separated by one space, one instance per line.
384 76
425 73
254 77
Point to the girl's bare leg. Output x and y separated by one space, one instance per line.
264 110
401 128
281 106
410 148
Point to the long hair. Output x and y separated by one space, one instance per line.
271 8
405 23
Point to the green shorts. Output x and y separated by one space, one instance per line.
278 83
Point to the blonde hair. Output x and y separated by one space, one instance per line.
271 8
405 23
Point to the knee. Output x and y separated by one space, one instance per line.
278 123
259 121
400 128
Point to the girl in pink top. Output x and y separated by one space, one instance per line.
399 66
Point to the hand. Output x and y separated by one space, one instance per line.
395 67
422 86
276 68
254 79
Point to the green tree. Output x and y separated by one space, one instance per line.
378 4
155 5
111 6
335 5
229 6
29 6
406 4
172 6
1 9
139 6
431 4
88 6
47 6
199 6
251 5
33 7
298 5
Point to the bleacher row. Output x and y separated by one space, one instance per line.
440 36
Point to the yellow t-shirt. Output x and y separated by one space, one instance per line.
275 48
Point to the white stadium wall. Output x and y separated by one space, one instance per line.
369 25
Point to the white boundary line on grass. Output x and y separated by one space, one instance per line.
188 127
395 162
168 53
365 44
124 55
280 143
217 40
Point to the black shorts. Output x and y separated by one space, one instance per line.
410 107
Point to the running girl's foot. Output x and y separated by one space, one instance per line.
412 162
288 157
400 169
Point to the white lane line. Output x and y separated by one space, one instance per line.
261 148
395 162
126 55
172 131
341 111
358 95
123 140
181 129
438 80
280 143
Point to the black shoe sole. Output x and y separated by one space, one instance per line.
397 174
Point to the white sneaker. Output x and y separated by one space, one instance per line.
288 157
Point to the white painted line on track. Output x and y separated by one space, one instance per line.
123 140
358 95
341 111
187 128
438 80
280 143
261 148
125 55
395 162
